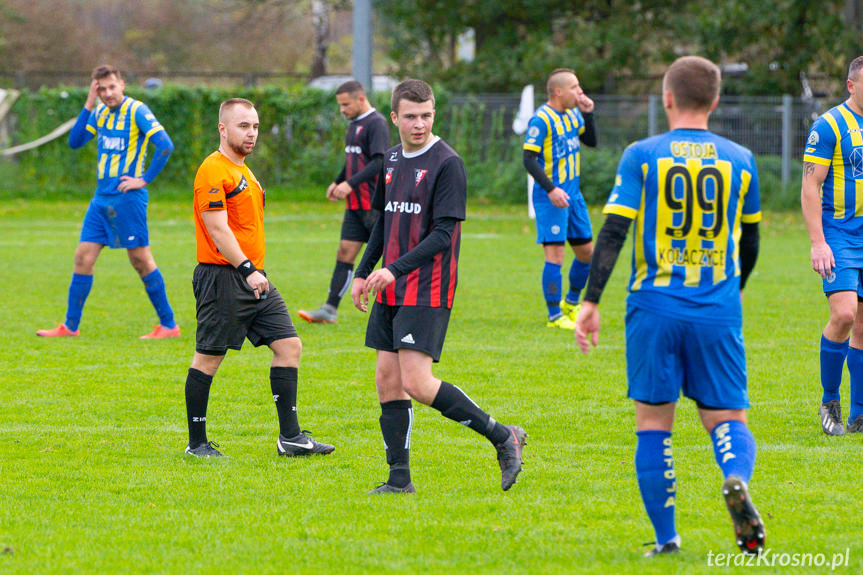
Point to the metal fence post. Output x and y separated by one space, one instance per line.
652 105
787 107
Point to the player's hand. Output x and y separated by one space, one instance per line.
584 103
129 183
559 198
330 189
359 294
822 259
379 280
92 95
342 191
259 284
587 326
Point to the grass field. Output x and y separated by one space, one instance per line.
93 480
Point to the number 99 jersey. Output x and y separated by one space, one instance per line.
688 192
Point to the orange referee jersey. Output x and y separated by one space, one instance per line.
220 184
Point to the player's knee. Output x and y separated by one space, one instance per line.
287 351
843 318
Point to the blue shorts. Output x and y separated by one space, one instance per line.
117 221
844 278
665 355
555 224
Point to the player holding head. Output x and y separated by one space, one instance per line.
234 299
366 140
831 201
695 201
422 198
552 156
117 216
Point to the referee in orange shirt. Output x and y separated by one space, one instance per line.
234 299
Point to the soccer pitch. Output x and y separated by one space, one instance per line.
92 430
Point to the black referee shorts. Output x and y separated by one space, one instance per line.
228 312
392 328
357 225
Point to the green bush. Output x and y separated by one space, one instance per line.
301 144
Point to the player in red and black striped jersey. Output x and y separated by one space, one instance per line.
366 140
422 200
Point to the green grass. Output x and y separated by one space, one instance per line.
93 480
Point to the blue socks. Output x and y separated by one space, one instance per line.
855 368
552 285
155 286
79 289
734 448
654 468
832 359
578 273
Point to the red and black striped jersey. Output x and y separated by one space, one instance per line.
367 136
419 188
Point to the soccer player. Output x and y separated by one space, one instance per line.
552 156
833 210
117 216
366 140
695 201
234 299
422 200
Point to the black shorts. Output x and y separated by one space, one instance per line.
358 224
228 312
392 328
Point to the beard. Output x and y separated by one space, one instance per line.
239 149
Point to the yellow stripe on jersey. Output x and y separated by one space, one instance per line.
745 180
114 169
816 160
134 131
638 239
101 114
856 141
91 129
100 171
123 115
139 167
546 144
838 166
618 210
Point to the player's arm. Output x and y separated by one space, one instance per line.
344 188
750 242
449 205
216 222
558 197
605 253
589 137
373 252
83 131
820 253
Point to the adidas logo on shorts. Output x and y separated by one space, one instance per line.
409 338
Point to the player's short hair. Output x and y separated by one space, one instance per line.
230 103
854 67
553 80
104 71
351 87
693 81
413 91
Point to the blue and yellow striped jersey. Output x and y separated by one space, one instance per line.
554 136
688 192
836 141
122 137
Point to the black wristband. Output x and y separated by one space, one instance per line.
246 268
